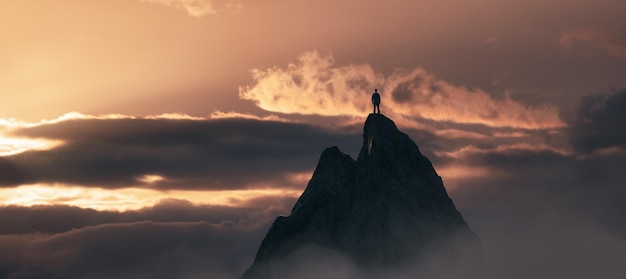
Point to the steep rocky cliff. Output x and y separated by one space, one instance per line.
387 209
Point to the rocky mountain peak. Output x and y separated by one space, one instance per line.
387 209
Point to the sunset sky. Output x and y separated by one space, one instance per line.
160 138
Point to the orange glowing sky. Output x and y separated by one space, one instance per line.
516 69
142 57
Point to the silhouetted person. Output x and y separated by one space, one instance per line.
376 100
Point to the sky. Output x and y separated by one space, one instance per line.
160 138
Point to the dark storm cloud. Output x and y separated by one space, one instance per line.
174 239
211 154
599 122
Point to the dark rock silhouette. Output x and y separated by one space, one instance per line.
387 209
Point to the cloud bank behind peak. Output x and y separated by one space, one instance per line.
316 85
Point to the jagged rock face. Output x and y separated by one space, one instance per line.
386 208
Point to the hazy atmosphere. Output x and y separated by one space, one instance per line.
161 138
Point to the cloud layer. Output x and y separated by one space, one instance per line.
542 210
184 154
173 239
599 122
315 85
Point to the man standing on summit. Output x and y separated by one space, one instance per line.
376 100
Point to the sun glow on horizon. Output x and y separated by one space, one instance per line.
150 178
129 198
12 145
16 145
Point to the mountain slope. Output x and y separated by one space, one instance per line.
387 209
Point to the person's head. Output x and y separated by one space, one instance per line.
375 90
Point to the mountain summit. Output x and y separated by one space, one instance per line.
386 210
